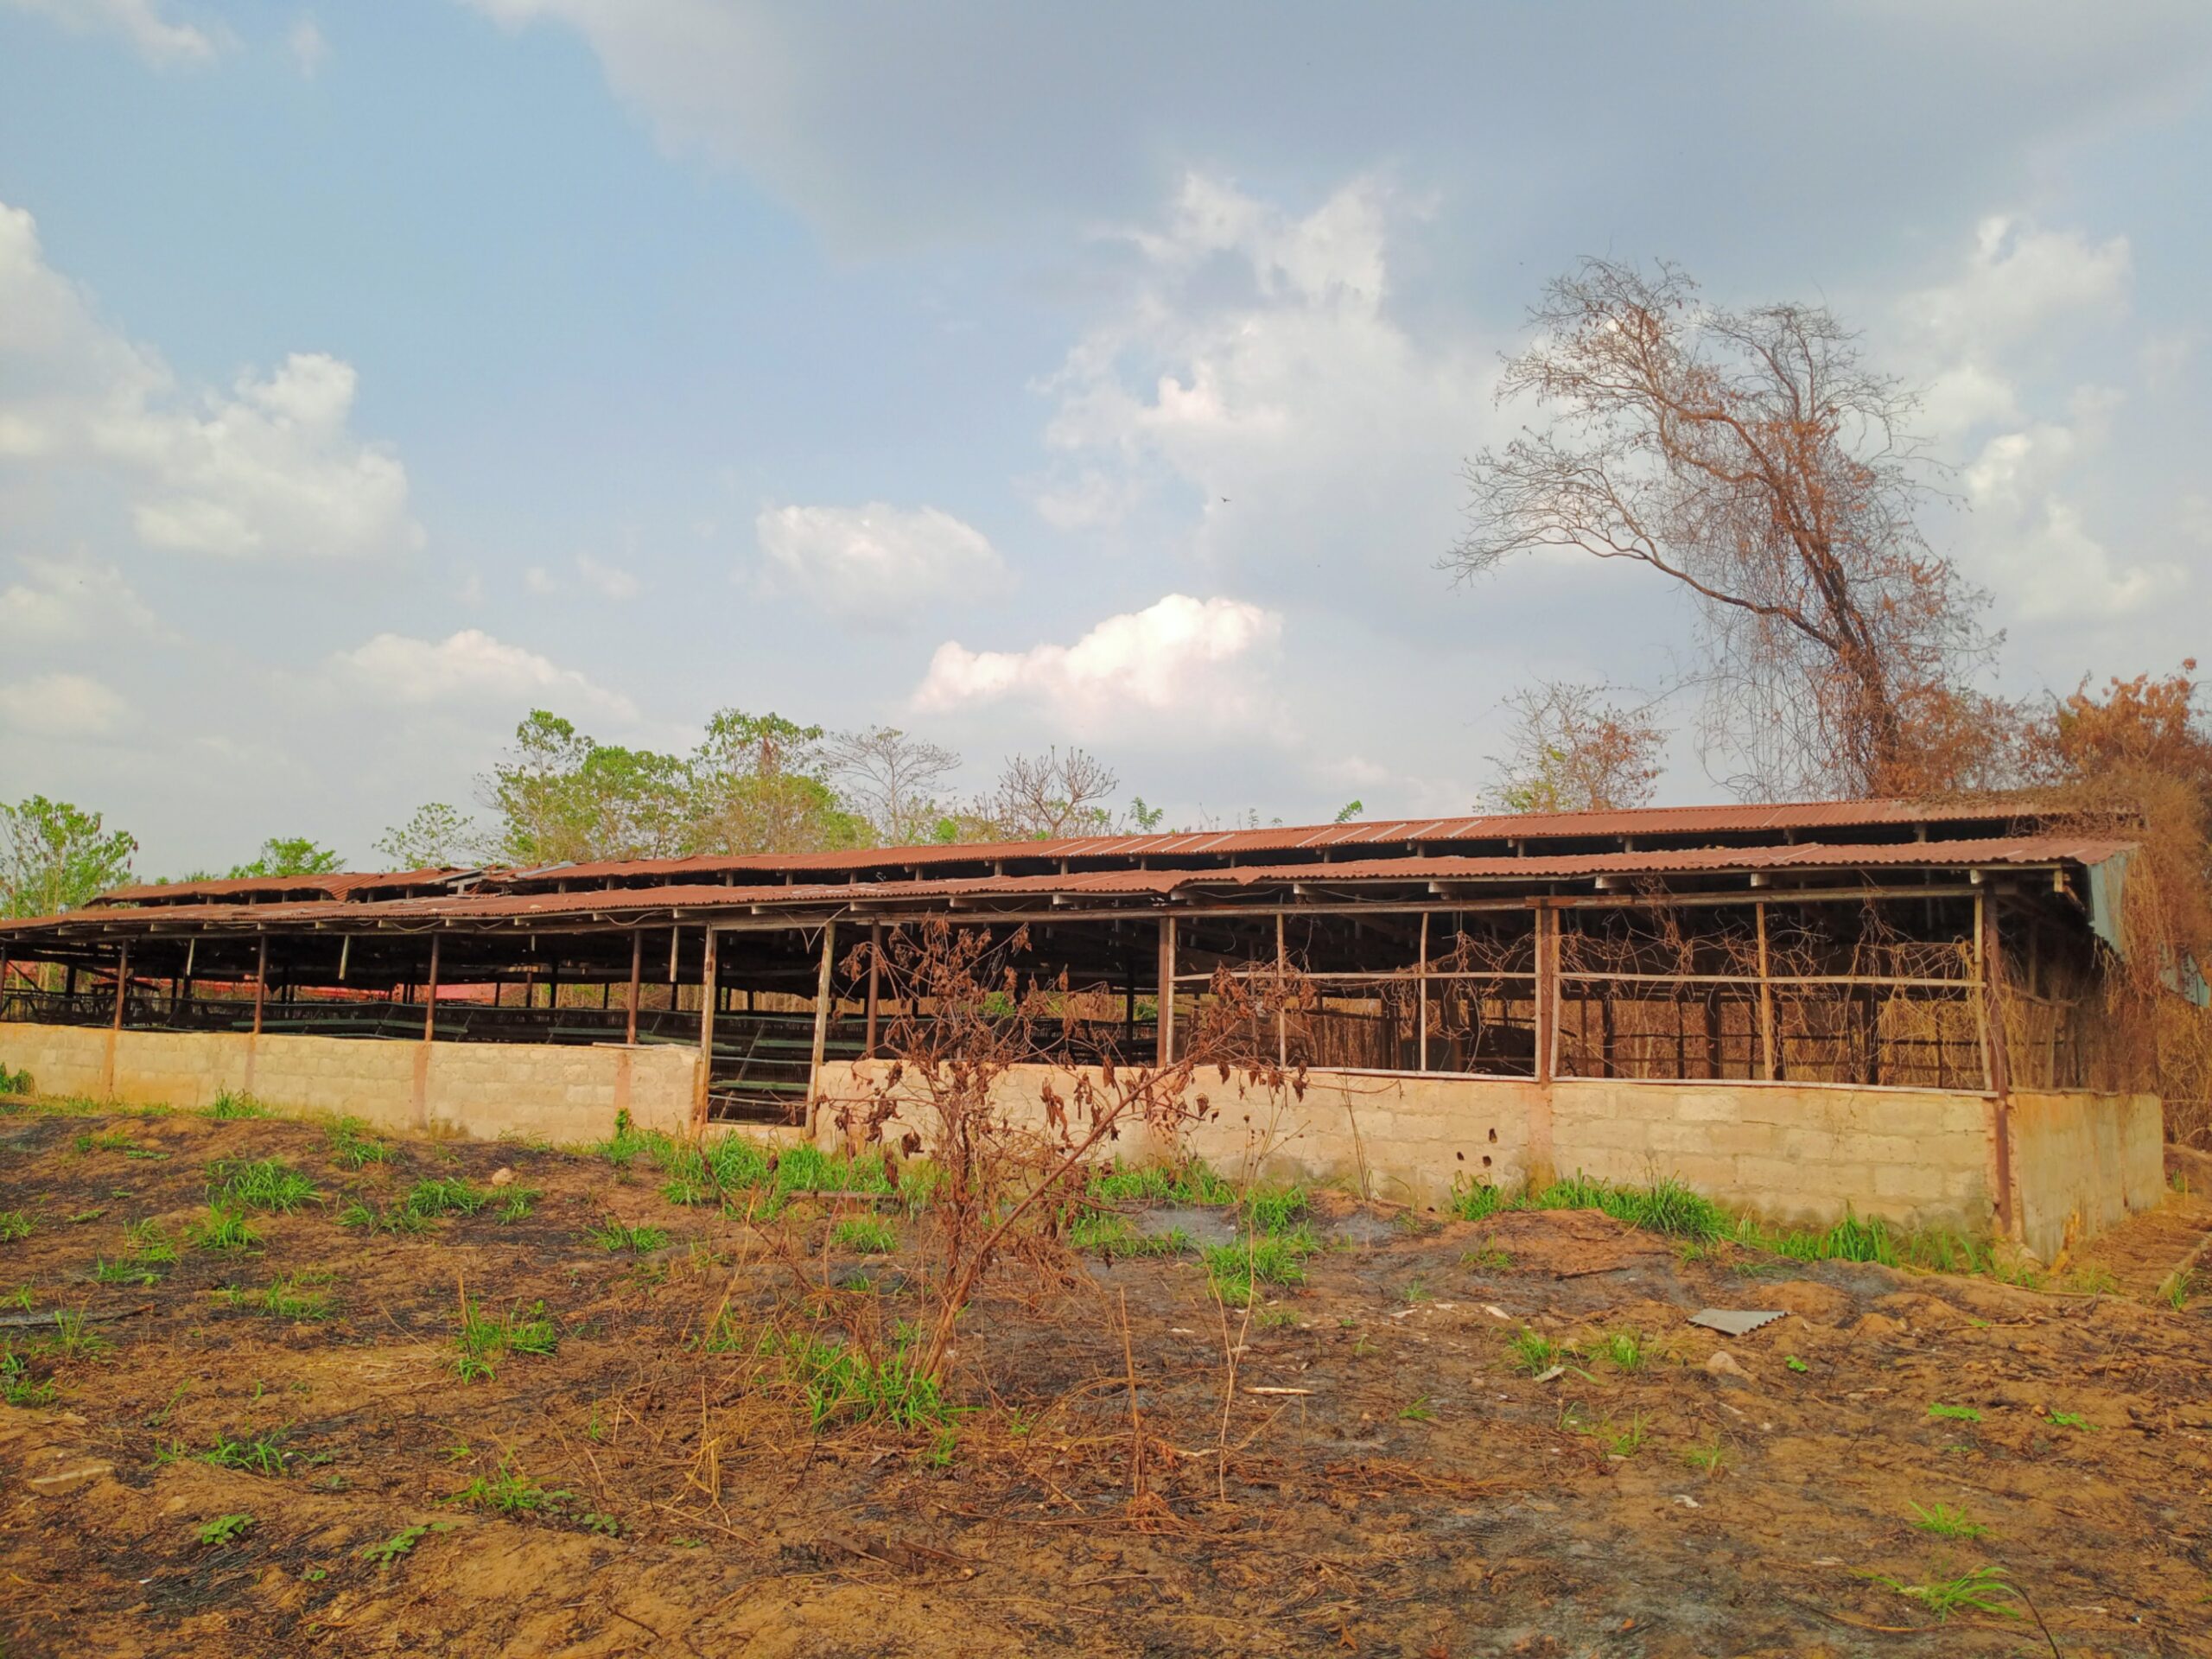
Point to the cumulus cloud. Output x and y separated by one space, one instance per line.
272 470
1257 368
1983 341
2020 277
66 706
874 563
140 24
2051 566
64 599
470 666
1205 660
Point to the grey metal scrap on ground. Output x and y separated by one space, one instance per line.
1733 1321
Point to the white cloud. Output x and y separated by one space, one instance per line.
66 706
469 666
1982 341
272 470
139 23
310 49
1202 659
874 563
1259 368
2035 544
2019 278
71 599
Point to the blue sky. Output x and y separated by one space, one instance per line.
1014 374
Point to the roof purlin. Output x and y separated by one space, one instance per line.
612 907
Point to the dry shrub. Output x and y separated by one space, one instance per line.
2140 756
1006 1176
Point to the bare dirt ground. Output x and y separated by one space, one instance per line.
1393 1482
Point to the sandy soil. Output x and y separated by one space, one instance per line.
1393 1481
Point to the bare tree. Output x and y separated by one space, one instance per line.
893 779
1574 750
1753 459
1040 796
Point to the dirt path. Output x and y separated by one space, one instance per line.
1395 1480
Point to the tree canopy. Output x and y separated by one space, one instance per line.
54 857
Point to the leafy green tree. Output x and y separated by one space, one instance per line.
438 836
563 796
54 857
760 783
283 856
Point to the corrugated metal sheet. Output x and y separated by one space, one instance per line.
337 885
1658 821
1507 873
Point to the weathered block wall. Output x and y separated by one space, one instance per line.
559 1092
2082 1162
1791 1154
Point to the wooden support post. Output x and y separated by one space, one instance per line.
637 971
430 994
821 1012
875 982
260 984
675 939
1550 996
1996 1068
553 984
1282 985
1769 1067
122 982
1129 1008
709 970
1164 1025
1422 1025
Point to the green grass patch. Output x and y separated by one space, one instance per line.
233 1104
1115 1236
486 1339
1238 1269
841 1383
614 1236
269 1185
865 1236
351 1144
1946 1522
17 1386
1477 1200
1981 1591
1272 1209
1956 1413
14 1224
444 1195
509 1491
224 1228
1188 1183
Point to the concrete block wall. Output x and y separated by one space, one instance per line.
1790 1153
2081 1163
558 1092
1796 1154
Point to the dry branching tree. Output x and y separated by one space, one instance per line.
1043 795
1575 750
2140 755
1753 459
894 780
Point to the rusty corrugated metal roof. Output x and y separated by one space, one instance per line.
1657 821
336 884
1505 872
